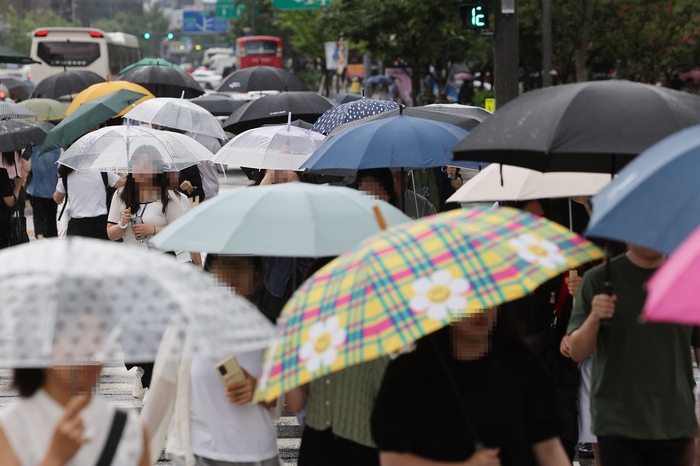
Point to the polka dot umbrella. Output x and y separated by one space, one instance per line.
351 111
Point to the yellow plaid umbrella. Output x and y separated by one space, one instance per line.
409 281
100 89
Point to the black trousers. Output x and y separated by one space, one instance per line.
323 448
4 232
619 451
90 227
44 216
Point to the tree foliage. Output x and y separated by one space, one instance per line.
152 21
18 28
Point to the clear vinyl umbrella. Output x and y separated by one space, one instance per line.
284 147
179 114
113 148
70 300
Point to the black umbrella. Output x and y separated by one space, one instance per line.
274 109
164 81
218 104
21 89
465 117
588 127
16 134
345 98
66 83
10 56
261 78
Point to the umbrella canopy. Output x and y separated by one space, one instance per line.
178 114
164 81
111 149
409 281
653 200
66 83
289 219
10 56
397 142
673 289
151 62
596 126
12 110
89 115
352 111
21 89
83 308
16 134
298 123
694 74
462 116
272 148
464 76
46 109
261 78
345 98
275 108
521 184
380 79
218 104
101 89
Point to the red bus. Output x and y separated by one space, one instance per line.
259 50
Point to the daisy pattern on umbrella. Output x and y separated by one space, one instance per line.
538 251
324 340
439 294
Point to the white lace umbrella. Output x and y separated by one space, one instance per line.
283 147
112 148
70 300
179 114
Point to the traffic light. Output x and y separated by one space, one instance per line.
475 14
198 47
170 35
146 35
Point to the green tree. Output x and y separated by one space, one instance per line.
17 34
152 21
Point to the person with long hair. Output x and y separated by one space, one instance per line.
17 169
377 182
58 421
8 192
87 195
140 210
469 394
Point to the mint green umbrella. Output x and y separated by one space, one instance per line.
288 220
151 62
87 116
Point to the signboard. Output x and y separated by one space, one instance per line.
299 4
228 9
202 22
355 71
490 105
475 14
508 7
334 55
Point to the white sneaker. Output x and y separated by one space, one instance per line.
138 391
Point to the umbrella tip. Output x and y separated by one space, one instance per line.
259 62
289 121
401 107
183 95
107 78
380 217
363 92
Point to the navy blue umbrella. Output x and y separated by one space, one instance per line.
351 111
397 142
654 200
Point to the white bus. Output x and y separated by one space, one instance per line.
59 48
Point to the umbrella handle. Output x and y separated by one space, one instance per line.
380 217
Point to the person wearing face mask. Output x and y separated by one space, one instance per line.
474 382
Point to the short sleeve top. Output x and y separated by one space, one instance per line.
6 190
511 401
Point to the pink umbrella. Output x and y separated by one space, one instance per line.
691 74
463 77
673 290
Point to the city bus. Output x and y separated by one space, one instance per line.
59 48
259 50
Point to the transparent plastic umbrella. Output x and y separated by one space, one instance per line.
179 114
71 300
113 148
283 147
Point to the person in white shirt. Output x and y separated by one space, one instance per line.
87 196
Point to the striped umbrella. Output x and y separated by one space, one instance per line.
412 280
9 110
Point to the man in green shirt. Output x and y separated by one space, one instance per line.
642 404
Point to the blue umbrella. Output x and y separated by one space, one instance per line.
380 79
654 200
351 111
396 142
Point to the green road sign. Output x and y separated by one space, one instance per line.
299 4
228 9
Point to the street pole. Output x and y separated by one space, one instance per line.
546 42
505 52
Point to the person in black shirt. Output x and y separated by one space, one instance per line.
507 401
7 192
